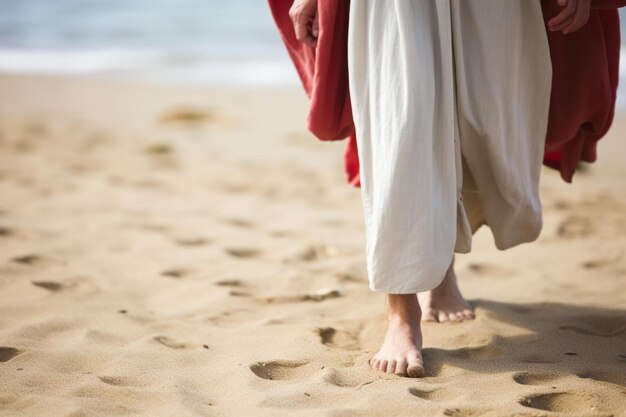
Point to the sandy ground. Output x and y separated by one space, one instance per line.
185 252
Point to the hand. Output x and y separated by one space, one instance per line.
304 16
574 15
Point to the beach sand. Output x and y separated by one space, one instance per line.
178 251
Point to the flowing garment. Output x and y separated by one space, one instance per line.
434 85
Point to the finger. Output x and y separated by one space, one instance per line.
567 12
310 41
303 34
559 19
562 25
580 18
301 19
300 28
315 30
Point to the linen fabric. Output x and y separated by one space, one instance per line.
432 82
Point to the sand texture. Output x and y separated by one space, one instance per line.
174 251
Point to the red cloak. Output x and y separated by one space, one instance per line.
585 67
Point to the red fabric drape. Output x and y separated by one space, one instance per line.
584 85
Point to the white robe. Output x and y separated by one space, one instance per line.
439 87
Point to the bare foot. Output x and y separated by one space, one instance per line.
401 353
445 303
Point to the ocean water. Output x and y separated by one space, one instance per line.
185 41
211 41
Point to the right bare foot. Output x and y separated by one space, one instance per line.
401 353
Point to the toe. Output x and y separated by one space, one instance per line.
401 366
391 367
374 363
415 366
415 369
442 316
452 317
469 314
459 315
429 315
382 367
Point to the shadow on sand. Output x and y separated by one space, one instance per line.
563 339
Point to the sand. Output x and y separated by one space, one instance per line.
176 251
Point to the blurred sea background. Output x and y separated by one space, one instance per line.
214 42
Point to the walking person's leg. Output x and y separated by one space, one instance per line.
445 302
503 77
402 91
403 68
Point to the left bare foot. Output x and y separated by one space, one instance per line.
445 303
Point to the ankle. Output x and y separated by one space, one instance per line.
448 285
403 308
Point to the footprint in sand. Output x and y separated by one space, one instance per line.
334 377
30 259
615 378
230 283
118 381
528 378
279 369
158 149
353 272
312 253
608 326
320 295
192 241
170 343
152 227
563 402
176 272
6 231
282 233
8 353
561 205
48 285
338 338
575 227
472 412
482 268
242 253
431 394
187 116
240 222
236 293
600 263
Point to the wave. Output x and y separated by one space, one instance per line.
161 66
